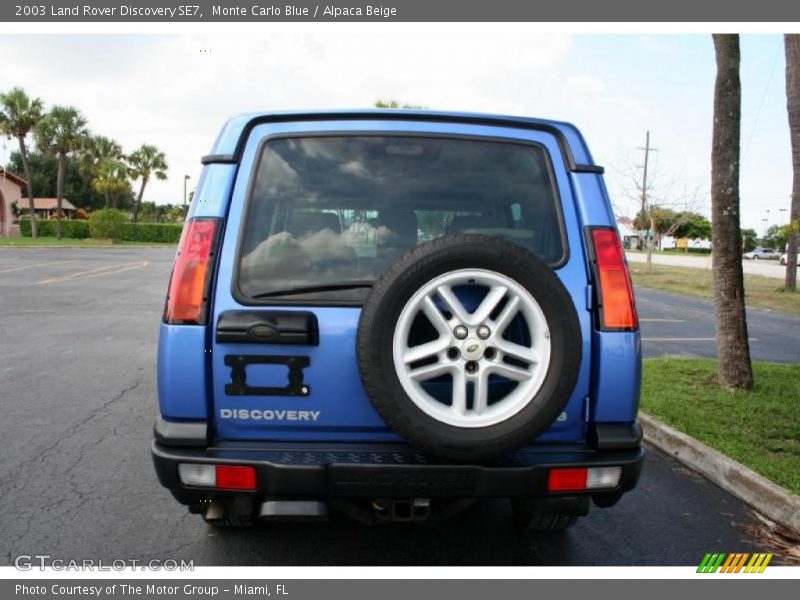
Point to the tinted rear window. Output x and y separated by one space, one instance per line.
337 210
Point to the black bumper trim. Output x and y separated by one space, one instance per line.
615 436
184 433
375 471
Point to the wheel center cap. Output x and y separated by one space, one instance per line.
472 349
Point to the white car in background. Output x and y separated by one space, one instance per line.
761 253
784 259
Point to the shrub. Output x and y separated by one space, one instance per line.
78 230
151 232
107 223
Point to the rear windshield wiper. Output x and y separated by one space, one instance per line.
311 289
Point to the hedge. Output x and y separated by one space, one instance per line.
151 232
689 250
107 223
108 228
78 230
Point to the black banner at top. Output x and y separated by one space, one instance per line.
186 11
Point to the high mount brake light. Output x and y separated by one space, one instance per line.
189 286
614 290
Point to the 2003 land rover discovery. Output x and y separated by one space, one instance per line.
388 313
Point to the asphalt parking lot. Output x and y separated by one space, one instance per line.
77 380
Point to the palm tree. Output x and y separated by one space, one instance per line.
101 161
792 46
734 369
111 179
20 114
62 132
148 161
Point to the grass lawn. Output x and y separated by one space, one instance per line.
760 292
760 428
43 242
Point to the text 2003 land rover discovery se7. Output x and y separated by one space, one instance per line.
389 312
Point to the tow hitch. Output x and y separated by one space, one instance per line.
404 509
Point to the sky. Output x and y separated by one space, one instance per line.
176 91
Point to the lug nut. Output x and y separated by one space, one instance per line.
471 366
489 353
453 353
483 332
460 332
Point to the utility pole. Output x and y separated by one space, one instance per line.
647 150
185 180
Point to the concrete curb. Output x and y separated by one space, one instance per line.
769 499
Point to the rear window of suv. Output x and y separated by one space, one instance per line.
328 215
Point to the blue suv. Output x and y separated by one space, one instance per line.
393 313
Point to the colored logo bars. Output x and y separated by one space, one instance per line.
734 563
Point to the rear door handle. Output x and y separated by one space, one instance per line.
290 327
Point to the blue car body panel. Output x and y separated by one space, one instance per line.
191 369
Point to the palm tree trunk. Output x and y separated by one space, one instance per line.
23 152
138 203
108 200
734 368
62 168
792 46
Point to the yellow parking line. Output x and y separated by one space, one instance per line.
109 269
144 263
78 274
44 264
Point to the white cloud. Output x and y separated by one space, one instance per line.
176 91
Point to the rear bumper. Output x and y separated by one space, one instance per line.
390 471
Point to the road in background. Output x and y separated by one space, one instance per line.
766 268
684 326
77 376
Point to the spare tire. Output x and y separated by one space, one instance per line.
469 347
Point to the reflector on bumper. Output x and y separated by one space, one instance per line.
577 479
222 477
603 478
197 475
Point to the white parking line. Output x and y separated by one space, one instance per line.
98 272
662 320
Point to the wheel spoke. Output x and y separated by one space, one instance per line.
480 392
430 371
435 316
489 303
453 303
424 351
459 398
517 351
506 315
511 372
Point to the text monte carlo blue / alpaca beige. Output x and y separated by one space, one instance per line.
291 10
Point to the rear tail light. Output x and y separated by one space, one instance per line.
236 478
566 480
614 290
577 479
221 477
189 286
